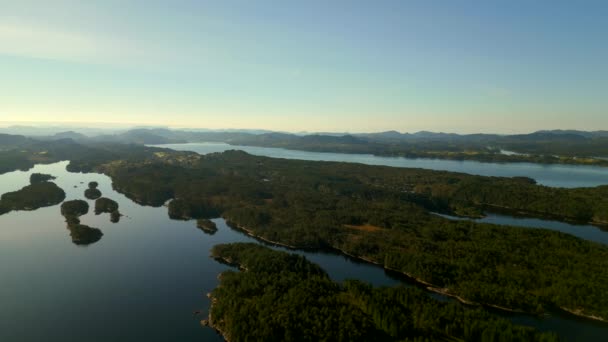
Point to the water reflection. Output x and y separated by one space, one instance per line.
587 232
147 276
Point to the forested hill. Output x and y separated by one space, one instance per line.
283 297
383 215
380 214
541 146
549 147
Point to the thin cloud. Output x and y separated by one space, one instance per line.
59 44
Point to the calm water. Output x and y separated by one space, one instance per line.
567 176
143 280
587 232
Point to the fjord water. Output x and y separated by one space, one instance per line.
554 175
583 231
144 279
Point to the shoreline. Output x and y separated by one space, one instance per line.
434 288
435 156
209 321
428 286
498 209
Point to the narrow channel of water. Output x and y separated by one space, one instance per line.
587 232
146 277
554 175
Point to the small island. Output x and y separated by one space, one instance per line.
74 209
207 226
92 192
32 197
81 234
84 235
115 216
106 205
40 178
280 296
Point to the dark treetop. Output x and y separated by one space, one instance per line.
283 297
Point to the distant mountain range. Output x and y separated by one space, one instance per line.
571 143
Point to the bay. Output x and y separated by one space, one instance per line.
146 277
553 175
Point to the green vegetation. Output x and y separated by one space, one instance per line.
106 205
81 234
533 148
40 178
553 147
92 194
382 215
547 147
14 160
206 226
32 197
84 235
74 208
283 297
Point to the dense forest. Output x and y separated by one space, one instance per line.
283 297
546 147
40 178
110 206
81 234
92 192
31 197
207 226
383 215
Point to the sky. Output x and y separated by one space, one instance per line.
316 65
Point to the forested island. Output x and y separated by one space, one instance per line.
92 192
545 147
382 215
40 178
81 234
31 197
283 297
206 226
106 205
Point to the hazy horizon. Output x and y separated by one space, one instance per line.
501 67
107 126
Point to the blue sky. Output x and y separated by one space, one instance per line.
456 66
